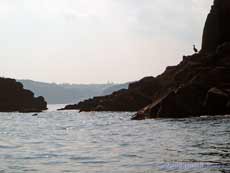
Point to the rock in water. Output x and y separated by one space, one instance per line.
195 87
199 85
13 97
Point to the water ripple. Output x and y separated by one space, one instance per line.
68 141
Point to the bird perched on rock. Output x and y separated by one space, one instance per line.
195 49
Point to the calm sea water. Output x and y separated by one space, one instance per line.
67 141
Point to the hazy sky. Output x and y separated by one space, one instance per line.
95 41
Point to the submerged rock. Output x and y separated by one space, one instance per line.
13 97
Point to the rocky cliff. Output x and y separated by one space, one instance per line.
217 26
13 97
199 85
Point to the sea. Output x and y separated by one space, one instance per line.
103 142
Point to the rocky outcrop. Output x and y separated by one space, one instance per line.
13 97
217 26
138 95
199 85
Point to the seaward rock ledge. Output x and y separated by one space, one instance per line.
14 98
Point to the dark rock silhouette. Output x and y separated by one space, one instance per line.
138 95
217 26
199 85
13 97
216 101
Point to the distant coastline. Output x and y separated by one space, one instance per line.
70 93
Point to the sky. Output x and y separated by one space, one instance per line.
96 41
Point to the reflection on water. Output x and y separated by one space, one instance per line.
67 141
